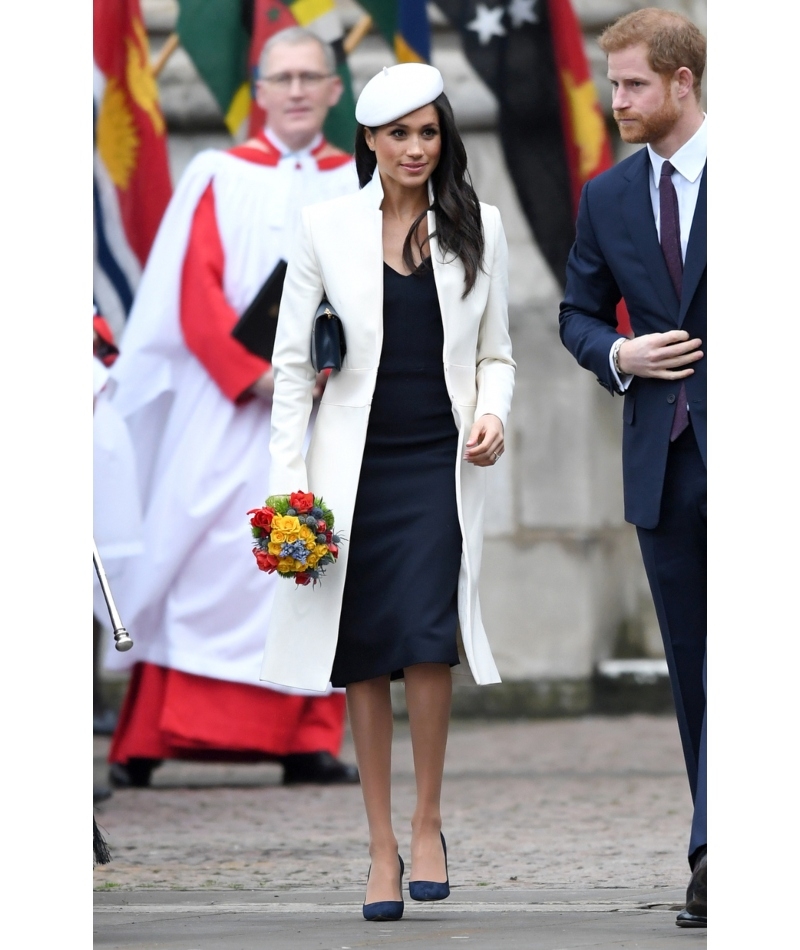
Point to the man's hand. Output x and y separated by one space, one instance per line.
485 444
660 355
264 386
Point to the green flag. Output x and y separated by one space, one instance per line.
213 34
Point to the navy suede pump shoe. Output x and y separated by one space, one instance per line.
431 890
385 910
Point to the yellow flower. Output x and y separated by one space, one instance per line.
312 559
274 547
277 536
286 565
321 550
306 534
287 523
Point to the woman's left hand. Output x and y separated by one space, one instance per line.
485 444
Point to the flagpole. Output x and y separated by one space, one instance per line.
357 34
173 41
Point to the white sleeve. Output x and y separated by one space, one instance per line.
291 364
623 380
495 367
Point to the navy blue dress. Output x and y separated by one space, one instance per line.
400 603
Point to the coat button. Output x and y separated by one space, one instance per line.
671 398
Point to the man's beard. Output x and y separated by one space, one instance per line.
651 128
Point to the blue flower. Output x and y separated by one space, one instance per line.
295 549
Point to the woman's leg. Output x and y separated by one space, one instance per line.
369 706
429 689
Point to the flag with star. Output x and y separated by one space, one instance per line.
530 54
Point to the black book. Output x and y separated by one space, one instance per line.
256 327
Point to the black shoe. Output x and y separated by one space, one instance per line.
105 722
134 774
101 793
317 768
694 914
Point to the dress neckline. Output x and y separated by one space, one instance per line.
423 266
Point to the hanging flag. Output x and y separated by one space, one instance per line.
224 39
405 27
132 184
216 36
322 18
530 54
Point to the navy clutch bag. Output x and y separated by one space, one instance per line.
328 346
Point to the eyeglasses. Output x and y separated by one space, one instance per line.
284 81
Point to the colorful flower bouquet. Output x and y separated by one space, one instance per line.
294 536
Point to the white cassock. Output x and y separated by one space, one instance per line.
195 600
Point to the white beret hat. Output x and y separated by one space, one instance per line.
396 91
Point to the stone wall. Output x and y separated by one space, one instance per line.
562 585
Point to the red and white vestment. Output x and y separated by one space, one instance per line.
195 603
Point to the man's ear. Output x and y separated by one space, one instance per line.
685 80
260 89
337 88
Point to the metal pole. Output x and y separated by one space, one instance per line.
122 641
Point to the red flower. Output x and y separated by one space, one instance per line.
302 579
333 548
301 501
262 518
322 527
266 562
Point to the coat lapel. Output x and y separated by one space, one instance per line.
366 258
637 211
696 251
449 280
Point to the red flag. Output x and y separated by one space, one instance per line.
586 139
130 132
585 135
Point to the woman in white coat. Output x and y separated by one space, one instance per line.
416 268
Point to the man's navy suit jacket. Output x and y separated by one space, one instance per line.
616 255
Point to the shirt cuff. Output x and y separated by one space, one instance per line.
623 380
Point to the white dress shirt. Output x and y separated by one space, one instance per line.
688 162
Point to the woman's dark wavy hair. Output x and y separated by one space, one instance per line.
458 213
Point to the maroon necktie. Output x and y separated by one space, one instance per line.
671 248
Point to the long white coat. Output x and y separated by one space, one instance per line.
340 253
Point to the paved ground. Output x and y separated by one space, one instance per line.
561 834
